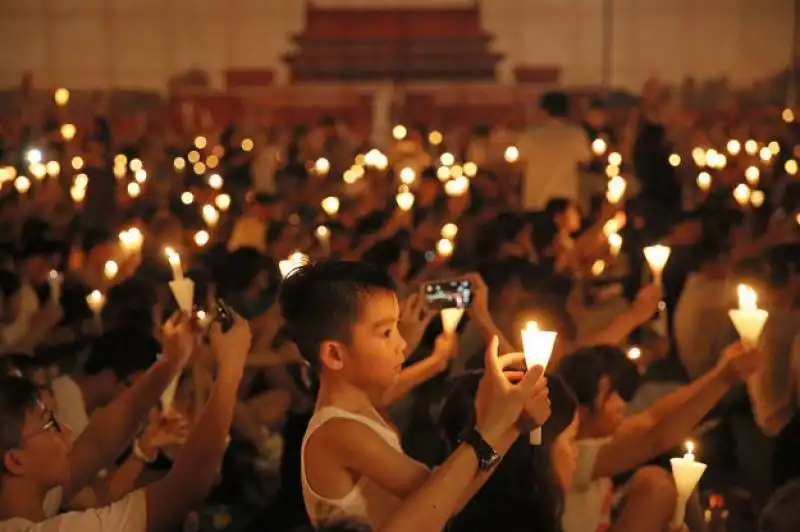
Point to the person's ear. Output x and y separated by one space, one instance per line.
14 462
331 355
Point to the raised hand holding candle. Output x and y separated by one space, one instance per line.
687 473
537 347
657 257
748 319
450 319
182 288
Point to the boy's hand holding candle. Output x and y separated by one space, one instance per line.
748 319
687 472
538 347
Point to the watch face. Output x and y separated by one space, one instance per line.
490 461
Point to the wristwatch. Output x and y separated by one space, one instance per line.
487 456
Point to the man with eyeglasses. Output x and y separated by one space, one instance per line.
36 454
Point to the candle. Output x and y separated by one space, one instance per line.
322 166
444 247
78 194
616 189
131 240
22 184
614 243
450 319
323 235
449 231
448 159
111 269
757 198
96 300
734 147
54 279
210 215
295 260
457 187
511 154
404 198
657 257
223 202
408 176
134 190
742 194
748 319
687 472
634 353
215 181
175 263
330 205
201 238
704 181
399 132
68 131
61 97
599 146
537 347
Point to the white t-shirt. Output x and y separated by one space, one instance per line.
587 504
71 407
553 152
126 515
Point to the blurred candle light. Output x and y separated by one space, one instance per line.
774 147
78 194
22 184
449 231
215 181
322 166
120 160
399 132
53 168
247 145
81 180
95 301
199 168
537 346
34 156
140 176
201 238
77 162
61 97
131 240
699 157
323 235
435 137
615 158
223 202
456 171
443 173
408 175
193 157
674 160
751 147
404 198
612 170
450 319
599 146
444 247
295 260
787 115
470 169
135 165
657 257
704 181
765 154
457 187
38 170
614 243
68 131
349 177
742 194
200 142
120 171
447 159
187 198
210 215
616 189
734 147
757 198
752 175
598 267
111 269
511 155
634 353
330 205
134 189
791 167
174 263
212 161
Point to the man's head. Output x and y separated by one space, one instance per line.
33 445
118 357
593 373
343 317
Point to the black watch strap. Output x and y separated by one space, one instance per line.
487 456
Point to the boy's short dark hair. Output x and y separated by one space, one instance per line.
322 301
782 512
555 103
582 370
18 396
123 350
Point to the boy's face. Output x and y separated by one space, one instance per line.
374 357
42 454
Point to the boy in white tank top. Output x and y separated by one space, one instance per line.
343 316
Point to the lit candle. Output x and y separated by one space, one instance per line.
78 194
704 181
408 176
22 184
201 238
634 353
457 187
223 202
757 198
537 347
742 194
61 97
111 269
450 319
616 189
687 473
134 190
68 131
657 257
599 146
404 198
444 247
330 205
511 154
210 215
734 147
55 279
449 231
752 175
96 300
215 181
323 235
748 319
614 243
295 260
615 159
174 263
322 166
131 240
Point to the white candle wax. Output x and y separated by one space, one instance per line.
748 319
450 319
537 346
175 263
687 473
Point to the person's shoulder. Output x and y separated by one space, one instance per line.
129 514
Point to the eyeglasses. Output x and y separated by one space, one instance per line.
51 422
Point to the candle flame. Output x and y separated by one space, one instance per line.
747 297
689 446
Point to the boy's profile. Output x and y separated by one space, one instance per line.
343 316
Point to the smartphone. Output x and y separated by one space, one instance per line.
224 315
454 293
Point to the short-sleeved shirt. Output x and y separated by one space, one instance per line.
126 515
587 504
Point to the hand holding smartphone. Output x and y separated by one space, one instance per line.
449 293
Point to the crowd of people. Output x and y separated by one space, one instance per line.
263 329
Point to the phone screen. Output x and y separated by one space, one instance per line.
456 293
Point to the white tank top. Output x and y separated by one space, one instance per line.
367 501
